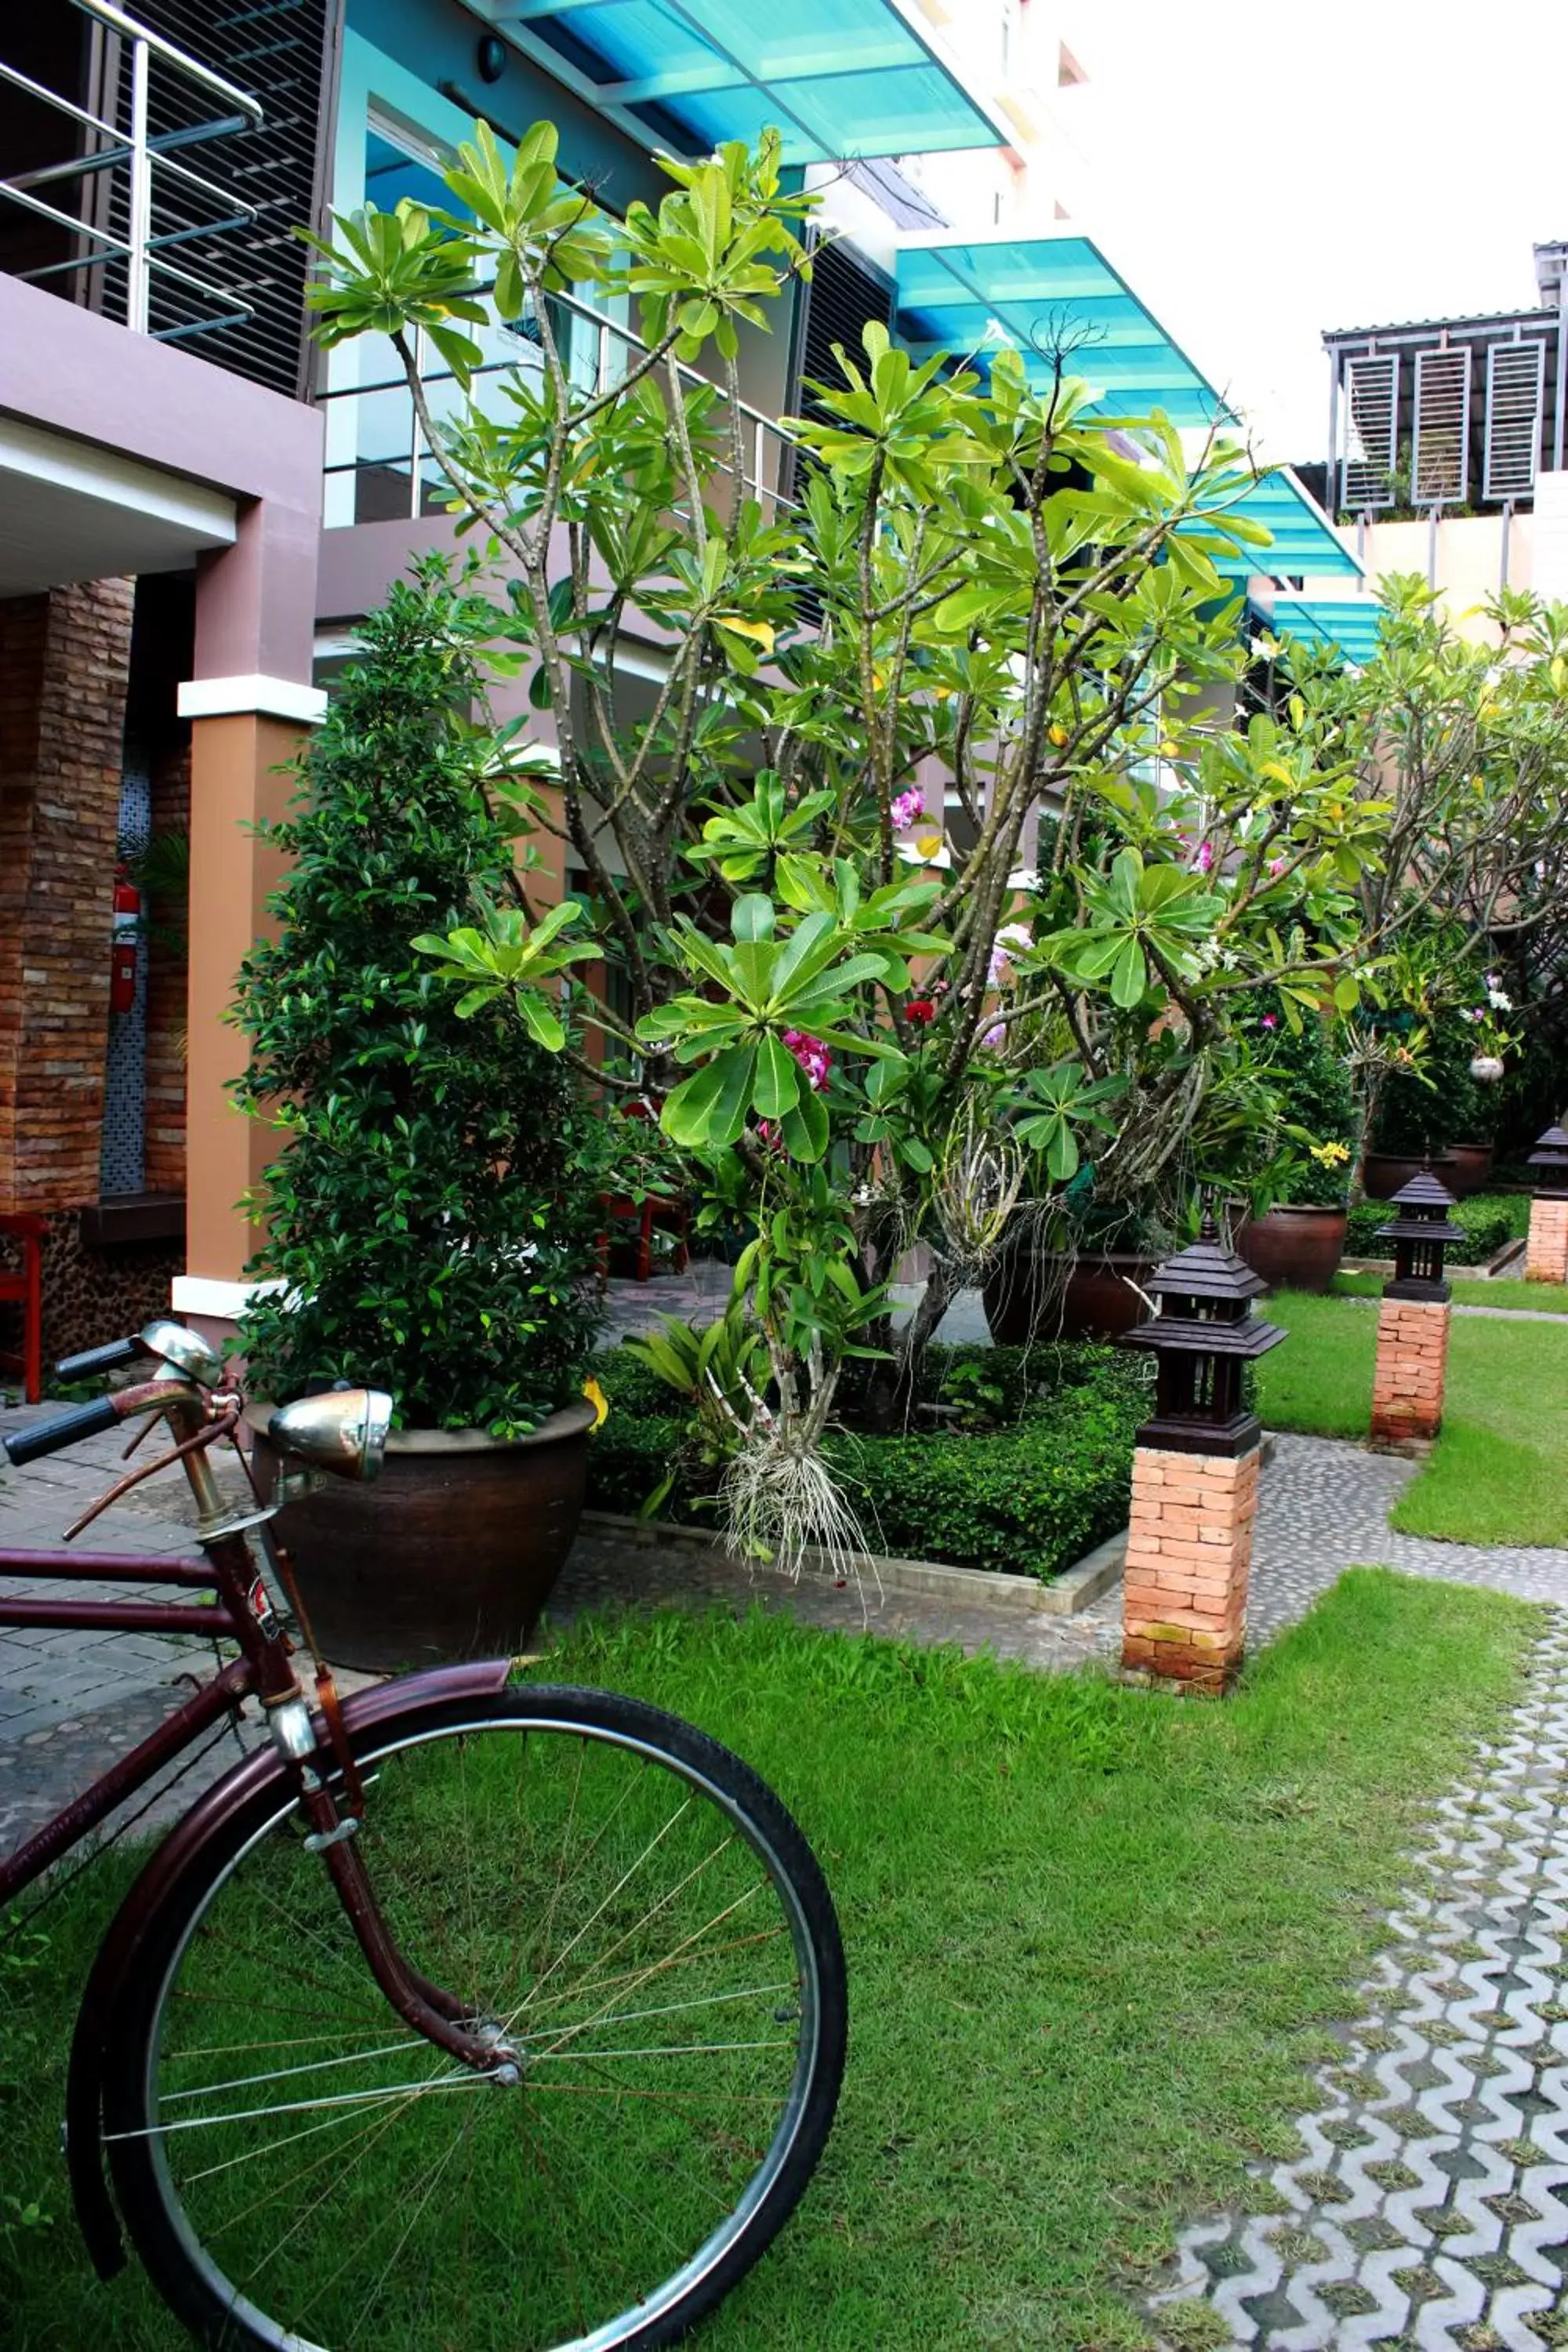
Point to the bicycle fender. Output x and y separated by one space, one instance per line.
118 1955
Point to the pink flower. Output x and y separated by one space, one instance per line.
908 808
1011 940
812 1056
1205 857
1270 1020
1275 867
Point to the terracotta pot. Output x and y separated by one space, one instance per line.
1024 1301
1472 1165
1295 1248
1388 1172
452 1553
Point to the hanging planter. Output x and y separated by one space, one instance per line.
1486 1068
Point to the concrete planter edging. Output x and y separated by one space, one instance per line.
1074 1590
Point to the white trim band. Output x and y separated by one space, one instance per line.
254 697
201 1293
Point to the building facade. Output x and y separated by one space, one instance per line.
200 507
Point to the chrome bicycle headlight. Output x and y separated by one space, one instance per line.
184 1351
343 1433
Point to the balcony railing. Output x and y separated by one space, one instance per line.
379 465
108 218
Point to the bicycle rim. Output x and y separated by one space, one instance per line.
635 1916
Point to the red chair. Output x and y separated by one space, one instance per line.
23 1287
669 1214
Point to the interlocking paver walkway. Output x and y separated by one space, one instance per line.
1428 2206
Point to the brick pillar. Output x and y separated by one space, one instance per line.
64 664
1411 1365
1189 1555
1546 1256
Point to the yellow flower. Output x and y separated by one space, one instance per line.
1330 1155
599 1401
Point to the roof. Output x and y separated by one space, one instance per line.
1349 623
1042 294
1527 315
1058 292
838 78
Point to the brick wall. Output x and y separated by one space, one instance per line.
1546 1257
1189 1556
1412 1364
64 664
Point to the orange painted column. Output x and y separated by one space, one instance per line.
236 784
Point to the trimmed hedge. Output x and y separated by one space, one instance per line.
1028 1497
1487 1220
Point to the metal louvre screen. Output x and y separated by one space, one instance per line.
1440 447
1371 410
1516 376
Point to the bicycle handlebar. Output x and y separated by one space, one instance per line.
48 1436
106 1359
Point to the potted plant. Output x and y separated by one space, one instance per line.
1298 1238
424 1231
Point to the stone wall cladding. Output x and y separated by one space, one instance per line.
1546 1254
167 976
64 666
1189 1552
1411 1369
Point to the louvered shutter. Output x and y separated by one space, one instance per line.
1370 391
1516 377
1440 445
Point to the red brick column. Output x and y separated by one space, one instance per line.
1189 1555
1546 1256
1412 1364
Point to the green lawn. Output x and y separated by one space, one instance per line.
1512 1298
1093 1938
1499 1471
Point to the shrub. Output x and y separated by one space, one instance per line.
1487 1220
423 1223
1028 1497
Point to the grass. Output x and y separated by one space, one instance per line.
1499 1471
1510 1297
1093 1938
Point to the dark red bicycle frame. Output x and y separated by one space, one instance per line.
244 1613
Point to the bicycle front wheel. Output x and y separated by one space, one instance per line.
637 1916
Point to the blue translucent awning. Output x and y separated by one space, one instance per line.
1044 295
1348 623
1304 542
837 78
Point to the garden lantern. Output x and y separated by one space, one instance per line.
1550 1159
1203 1333
1546 1253
1420 1233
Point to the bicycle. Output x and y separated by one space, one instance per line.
460 2013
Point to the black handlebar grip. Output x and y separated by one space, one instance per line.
99 1359
48 1436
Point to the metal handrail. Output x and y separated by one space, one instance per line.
137 149
762 426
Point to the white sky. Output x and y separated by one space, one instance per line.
1260 173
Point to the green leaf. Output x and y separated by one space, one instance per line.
777 1086
805 1128
1129 977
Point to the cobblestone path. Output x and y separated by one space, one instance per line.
1429 2205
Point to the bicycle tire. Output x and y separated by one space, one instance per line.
220 2310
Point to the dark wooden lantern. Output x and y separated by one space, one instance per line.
1549 1160
1420 1234
1203 1333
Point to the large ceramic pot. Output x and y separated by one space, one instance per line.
452 1553
1472 1165
1294 1247
1026 1298
1388 1172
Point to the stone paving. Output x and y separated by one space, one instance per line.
1428 2206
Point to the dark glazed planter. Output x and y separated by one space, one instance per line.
1388 1172
1294 1247
1023 1301
452 1553
1472 1165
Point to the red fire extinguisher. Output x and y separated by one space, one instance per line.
122 951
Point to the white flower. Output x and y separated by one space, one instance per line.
1499 1000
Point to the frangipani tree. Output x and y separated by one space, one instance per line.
867 1019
